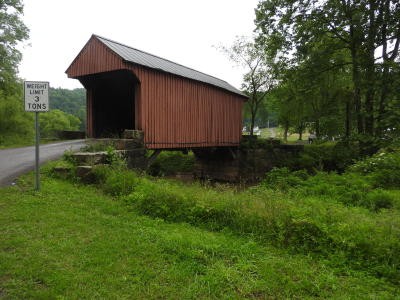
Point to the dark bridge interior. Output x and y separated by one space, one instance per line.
113 102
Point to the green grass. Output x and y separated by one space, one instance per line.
20 142
73 242
291 138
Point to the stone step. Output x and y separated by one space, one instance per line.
133 134
85 174
119 144
90 158
135 158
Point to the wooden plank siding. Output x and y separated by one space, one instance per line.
173 111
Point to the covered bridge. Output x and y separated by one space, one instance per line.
175 106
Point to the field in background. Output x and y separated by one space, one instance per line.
277 133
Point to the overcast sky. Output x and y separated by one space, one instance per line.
183 31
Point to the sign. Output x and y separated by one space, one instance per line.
36 94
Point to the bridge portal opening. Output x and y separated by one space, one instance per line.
110 103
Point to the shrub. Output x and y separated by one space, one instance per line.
69 157
112 158
379 199
96 147
171 163
348 235
326 156
119 182
383 168
304 235
350 189
283 178
101 173
159 200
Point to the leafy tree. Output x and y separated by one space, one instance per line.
15 124
12 31
70 101
348 34
258 80
55 120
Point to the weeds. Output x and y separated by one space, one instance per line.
72 242
171 163
323 216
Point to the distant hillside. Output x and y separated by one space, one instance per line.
70 101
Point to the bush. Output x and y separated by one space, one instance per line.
283 178
120 182
379 199
160 200
171 163
383 168
351 189
326 156
101 173
347 235
304 235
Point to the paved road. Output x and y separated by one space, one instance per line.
16 161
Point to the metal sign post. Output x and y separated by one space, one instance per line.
36 95
37 142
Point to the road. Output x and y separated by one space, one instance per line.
16 161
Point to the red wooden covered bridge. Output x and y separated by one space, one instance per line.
175 106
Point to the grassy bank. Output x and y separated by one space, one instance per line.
17 143
145 238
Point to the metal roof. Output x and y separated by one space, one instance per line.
142 58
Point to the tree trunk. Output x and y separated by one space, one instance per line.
382 101
369 110
357 95
253 110
252 121
370 69
348 119
301 129
285 132
354 45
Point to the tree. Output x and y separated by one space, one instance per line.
15 123
258 79
70 101
356 29
12 31
56 120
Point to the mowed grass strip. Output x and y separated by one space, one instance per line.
73 242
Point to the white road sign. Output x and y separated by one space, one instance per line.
36 96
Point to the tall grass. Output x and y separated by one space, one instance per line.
349 220
70 241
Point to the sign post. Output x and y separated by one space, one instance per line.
36 95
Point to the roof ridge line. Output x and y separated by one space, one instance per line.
110 40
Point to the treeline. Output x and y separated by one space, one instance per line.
72 102
329 66
67 108
67 112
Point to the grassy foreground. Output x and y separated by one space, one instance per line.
74 242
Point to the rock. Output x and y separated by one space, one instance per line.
90 158
62 172
128 144
85 174
133 134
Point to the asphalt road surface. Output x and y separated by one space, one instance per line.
16 161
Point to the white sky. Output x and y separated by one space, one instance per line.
183 31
